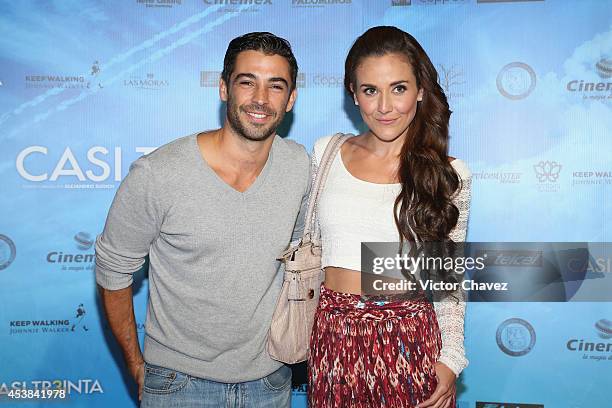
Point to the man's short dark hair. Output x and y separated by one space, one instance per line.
264 42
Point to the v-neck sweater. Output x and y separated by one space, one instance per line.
213 274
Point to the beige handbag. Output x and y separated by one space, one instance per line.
293 316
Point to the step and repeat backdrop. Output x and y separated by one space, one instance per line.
86 87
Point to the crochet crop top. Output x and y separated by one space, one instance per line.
351 211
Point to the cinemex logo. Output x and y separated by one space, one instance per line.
400 2
547 173
75 262
76 323
8 251
604 328
159 3
149 83
318 3
80 386
83 240
237 2
594 350
231 6
34 165
516 80
595 90
480 404
515 337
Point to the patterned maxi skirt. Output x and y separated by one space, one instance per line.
370 354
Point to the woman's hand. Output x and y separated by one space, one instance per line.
443 394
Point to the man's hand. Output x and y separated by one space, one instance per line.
443 395
137 372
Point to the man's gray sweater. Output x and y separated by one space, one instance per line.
213 275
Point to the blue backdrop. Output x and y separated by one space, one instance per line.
86 87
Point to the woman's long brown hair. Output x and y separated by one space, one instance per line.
423 209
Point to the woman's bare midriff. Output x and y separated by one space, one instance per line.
343 280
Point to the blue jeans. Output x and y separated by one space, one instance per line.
165 388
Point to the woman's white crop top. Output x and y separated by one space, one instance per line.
351 211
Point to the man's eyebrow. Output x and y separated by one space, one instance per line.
252 76
279 79
245 75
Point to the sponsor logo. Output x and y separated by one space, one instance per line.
159 3
78 386
71 170
231 5
594 350
451 78
210 79
440 2
595 90
8 251
501 177
516 80
237 2
320 80
319 3
480 404
95 71
547 173
75 262
590 177
148 82
505 1
400 2
604 328
604 68
49 81
511 258
300 80
515 337
73 324
83 240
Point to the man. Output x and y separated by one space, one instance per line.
212 211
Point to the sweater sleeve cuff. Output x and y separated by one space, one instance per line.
112 280
456 361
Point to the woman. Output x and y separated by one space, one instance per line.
395 182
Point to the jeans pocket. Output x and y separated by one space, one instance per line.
160 380
278 380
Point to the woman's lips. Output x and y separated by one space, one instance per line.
386 121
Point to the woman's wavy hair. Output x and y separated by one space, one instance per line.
423 209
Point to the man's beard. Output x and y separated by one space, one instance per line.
251 131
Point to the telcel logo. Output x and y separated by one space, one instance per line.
69 166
